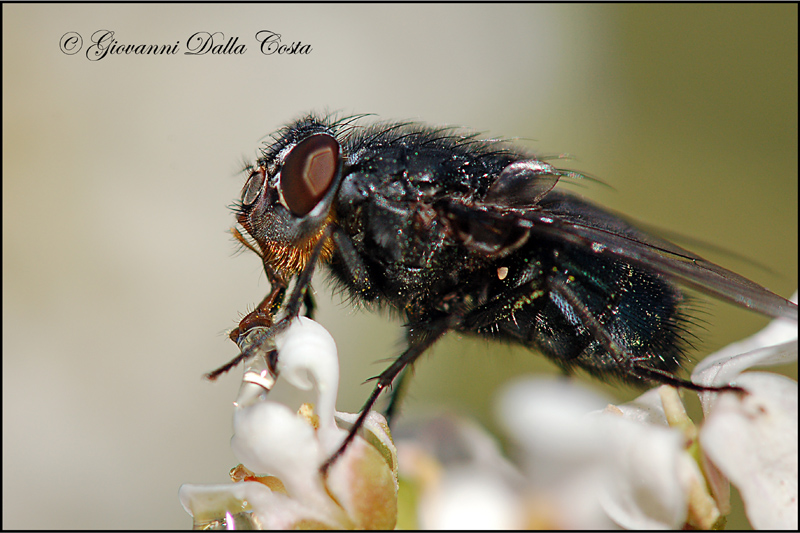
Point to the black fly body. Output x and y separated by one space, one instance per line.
457 233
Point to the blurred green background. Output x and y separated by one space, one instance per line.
120 281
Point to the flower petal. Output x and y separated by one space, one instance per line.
528 407
271 439
248 505
469 498
775 344
375 432
363 483
753 440
457 476
308 358
646 409
565 451
648 476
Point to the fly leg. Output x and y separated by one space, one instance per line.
559 285
262 315
257 328
397 394
417 347
400 385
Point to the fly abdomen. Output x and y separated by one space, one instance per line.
641 313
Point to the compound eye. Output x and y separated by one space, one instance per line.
308 172
253 186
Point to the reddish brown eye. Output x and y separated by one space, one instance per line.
253 187
308 172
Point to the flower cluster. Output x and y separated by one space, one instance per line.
279 484
582 463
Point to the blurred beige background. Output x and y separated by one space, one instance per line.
120 281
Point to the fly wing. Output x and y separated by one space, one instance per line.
560 217
583 224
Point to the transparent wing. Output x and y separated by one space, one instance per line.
560 217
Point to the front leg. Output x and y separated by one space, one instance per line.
262 315
254 335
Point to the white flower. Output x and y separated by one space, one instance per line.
641 465
455 477
752 438
560 450
647 465
599 469
279 485
654 478
583 464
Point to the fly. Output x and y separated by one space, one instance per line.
461 234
